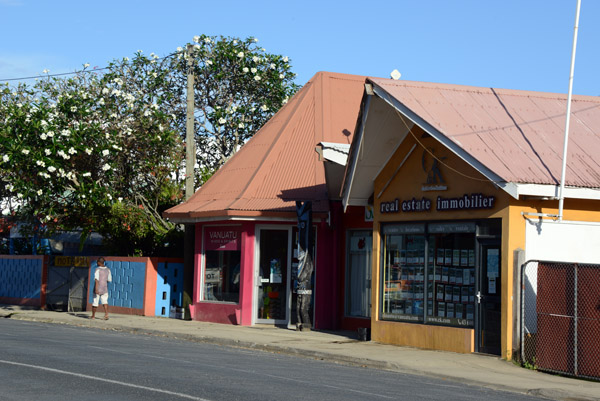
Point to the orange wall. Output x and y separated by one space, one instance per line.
407 183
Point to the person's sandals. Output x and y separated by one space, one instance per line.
105 317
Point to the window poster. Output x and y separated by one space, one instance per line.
456 257
493 262
448 257
440 256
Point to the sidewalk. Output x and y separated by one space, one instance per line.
336 347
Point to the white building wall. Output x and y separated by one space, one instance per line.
567 241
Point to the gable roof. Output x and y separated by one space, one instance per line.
515 138
279 164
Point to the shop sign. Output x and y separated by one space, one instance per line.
464 202
450 228
221 239
404 229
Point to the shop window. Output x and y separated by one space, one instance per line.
222 276
428 274
358 273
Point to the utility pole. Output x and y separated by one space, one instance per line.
190 148
190 162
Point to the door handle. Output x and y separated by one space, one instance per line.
479 297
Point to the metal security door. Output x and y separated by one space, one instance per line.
489 301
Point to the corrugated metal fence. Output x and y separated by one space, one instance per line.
560 318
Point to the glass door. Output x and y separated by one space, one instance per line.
488 298
272 282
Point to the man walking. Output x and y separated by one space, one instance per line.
102 277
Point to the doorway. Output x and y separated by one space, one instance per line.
488 299
272 276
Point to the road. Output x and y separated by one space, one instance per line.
41 361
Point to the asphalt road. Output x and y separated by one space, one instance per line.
51 362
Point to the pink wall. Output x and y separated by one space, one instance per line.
326 293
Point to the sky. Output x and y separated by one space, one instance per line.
510 44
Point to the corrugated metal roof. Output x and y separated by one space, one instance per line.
518 135
279 165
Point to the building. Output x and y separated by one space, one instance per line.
246 223
464 182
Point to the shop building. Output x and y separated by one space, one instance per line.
462 180
245 217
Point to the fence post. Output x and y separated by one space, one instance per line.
518 261
575 323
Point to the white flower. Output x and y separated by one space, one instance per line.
117 147
39 192
257 78
48 152
50 134
253 70
197 47
255 40
86 65
208 62
106 167
281 76
235 42
19 196
272 66
285 100
88 151
240 54
73 109
147 113
245 69
40 163
65 132
222 121
5 158
43 123
264 107
154 75
88 174
10 187
109 196
105 152
120 199
25 151
241 125
101 102
105 91
196 39
255 59
285 59
51 169
180 49
45 71
207 40
72 151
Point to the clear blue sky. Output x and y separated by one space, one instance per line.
516 44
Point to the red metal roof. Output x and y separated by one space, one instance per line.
279 165
518 135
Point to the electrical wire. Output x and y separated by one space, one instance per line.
72 73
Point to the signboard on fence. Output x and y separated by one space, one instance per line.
77 261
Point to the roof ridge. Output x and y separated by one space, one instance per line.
472 88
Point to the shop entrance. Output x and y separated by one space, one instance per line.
488 298
272 275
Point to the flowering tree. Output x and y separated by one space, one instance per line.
90 152
238 88
104 152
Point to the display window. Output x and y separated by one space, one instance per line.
222 257
428 273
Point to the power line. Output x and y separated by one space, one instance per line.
72 73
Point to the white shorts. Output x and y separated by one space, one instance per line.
102 298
